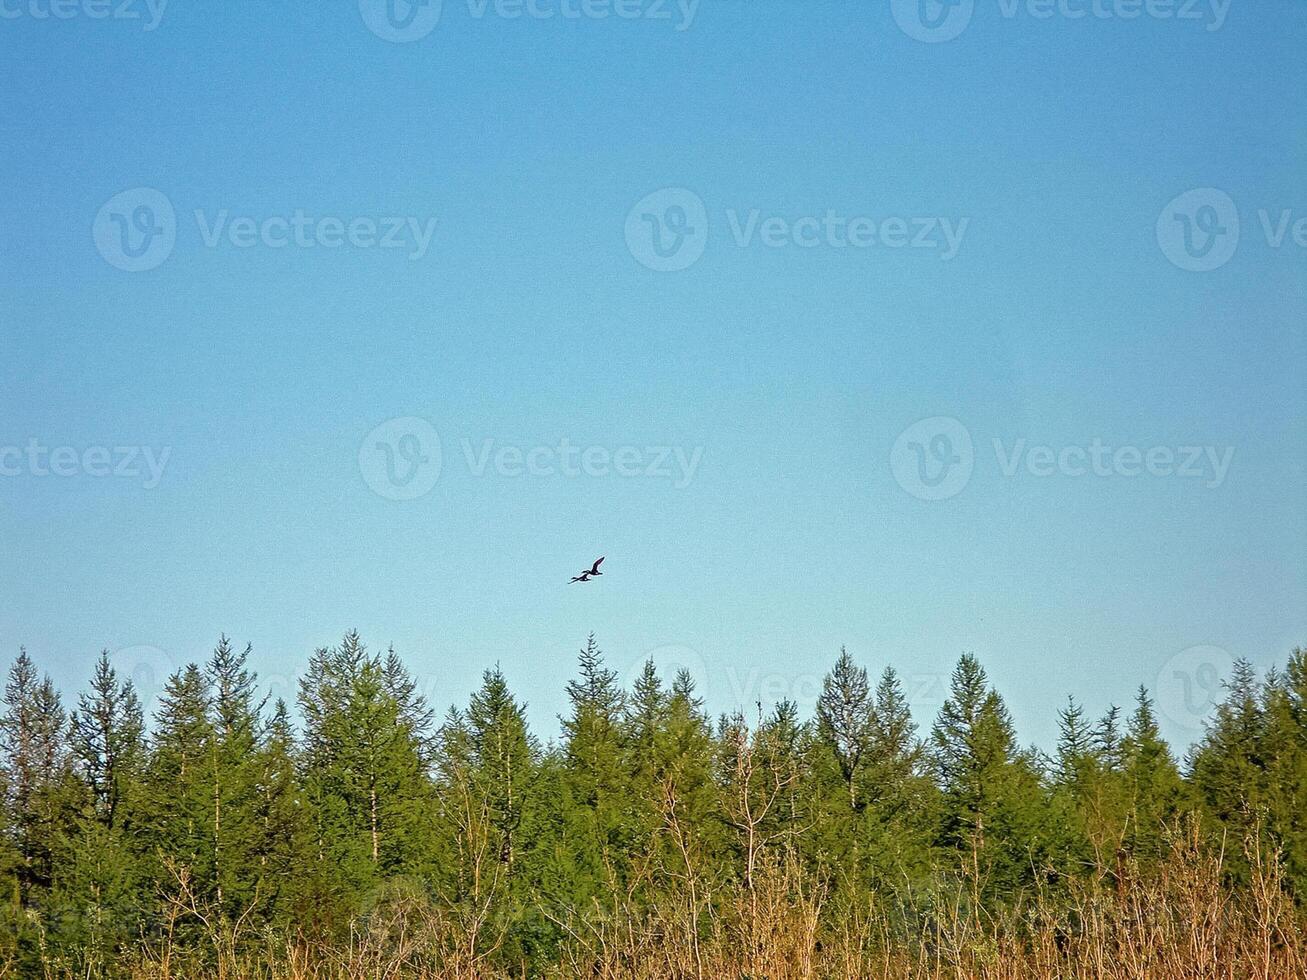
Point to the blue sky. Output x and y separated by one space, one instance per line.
1070 312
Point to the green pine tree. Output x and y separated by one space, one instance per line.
365 776
100 884
234 768
42 798
107 732
1153 787
992 801
901 802
844 720
177 797
1228 766
595 790
1285 750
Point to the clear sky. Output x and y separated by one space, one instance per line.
681 240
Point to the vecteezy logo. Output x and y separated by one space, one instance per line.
135 230
932 21
1190 685
400 459
932 459
400 21
148 669
1199 230
668 230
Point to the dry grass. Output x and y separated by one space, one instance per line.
1180 922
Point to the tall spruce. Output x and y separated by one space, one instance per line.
844 719
503 756
178 806
992 800
1153 786
107 732
99 888
900 799
364 770
234 750
1285 752
41 796
281 834
595 787
1229 766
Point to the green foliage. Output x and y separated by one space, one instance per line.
594 821
224 822
993 800
107 733
365 775
1250 771
1153 789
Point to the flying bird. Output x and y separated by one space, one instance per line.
589 573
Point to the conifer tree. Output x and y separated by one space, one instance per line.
900 800
973 746
1285 749
1229 766
595 789
107 735
280 830
1079 794
844 719
837 785
503 756
414 711
645 714
992 800
100 898
783 736
41 795
492 835
646 707
99 886
177 810
365 775
1153 787
690 832
1108 740
234 828
1077 760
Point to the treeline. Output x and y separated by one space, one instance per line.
223 825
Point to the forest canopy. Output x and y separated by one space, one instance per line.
226 827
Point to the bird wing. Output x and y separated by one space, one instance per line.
594 569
